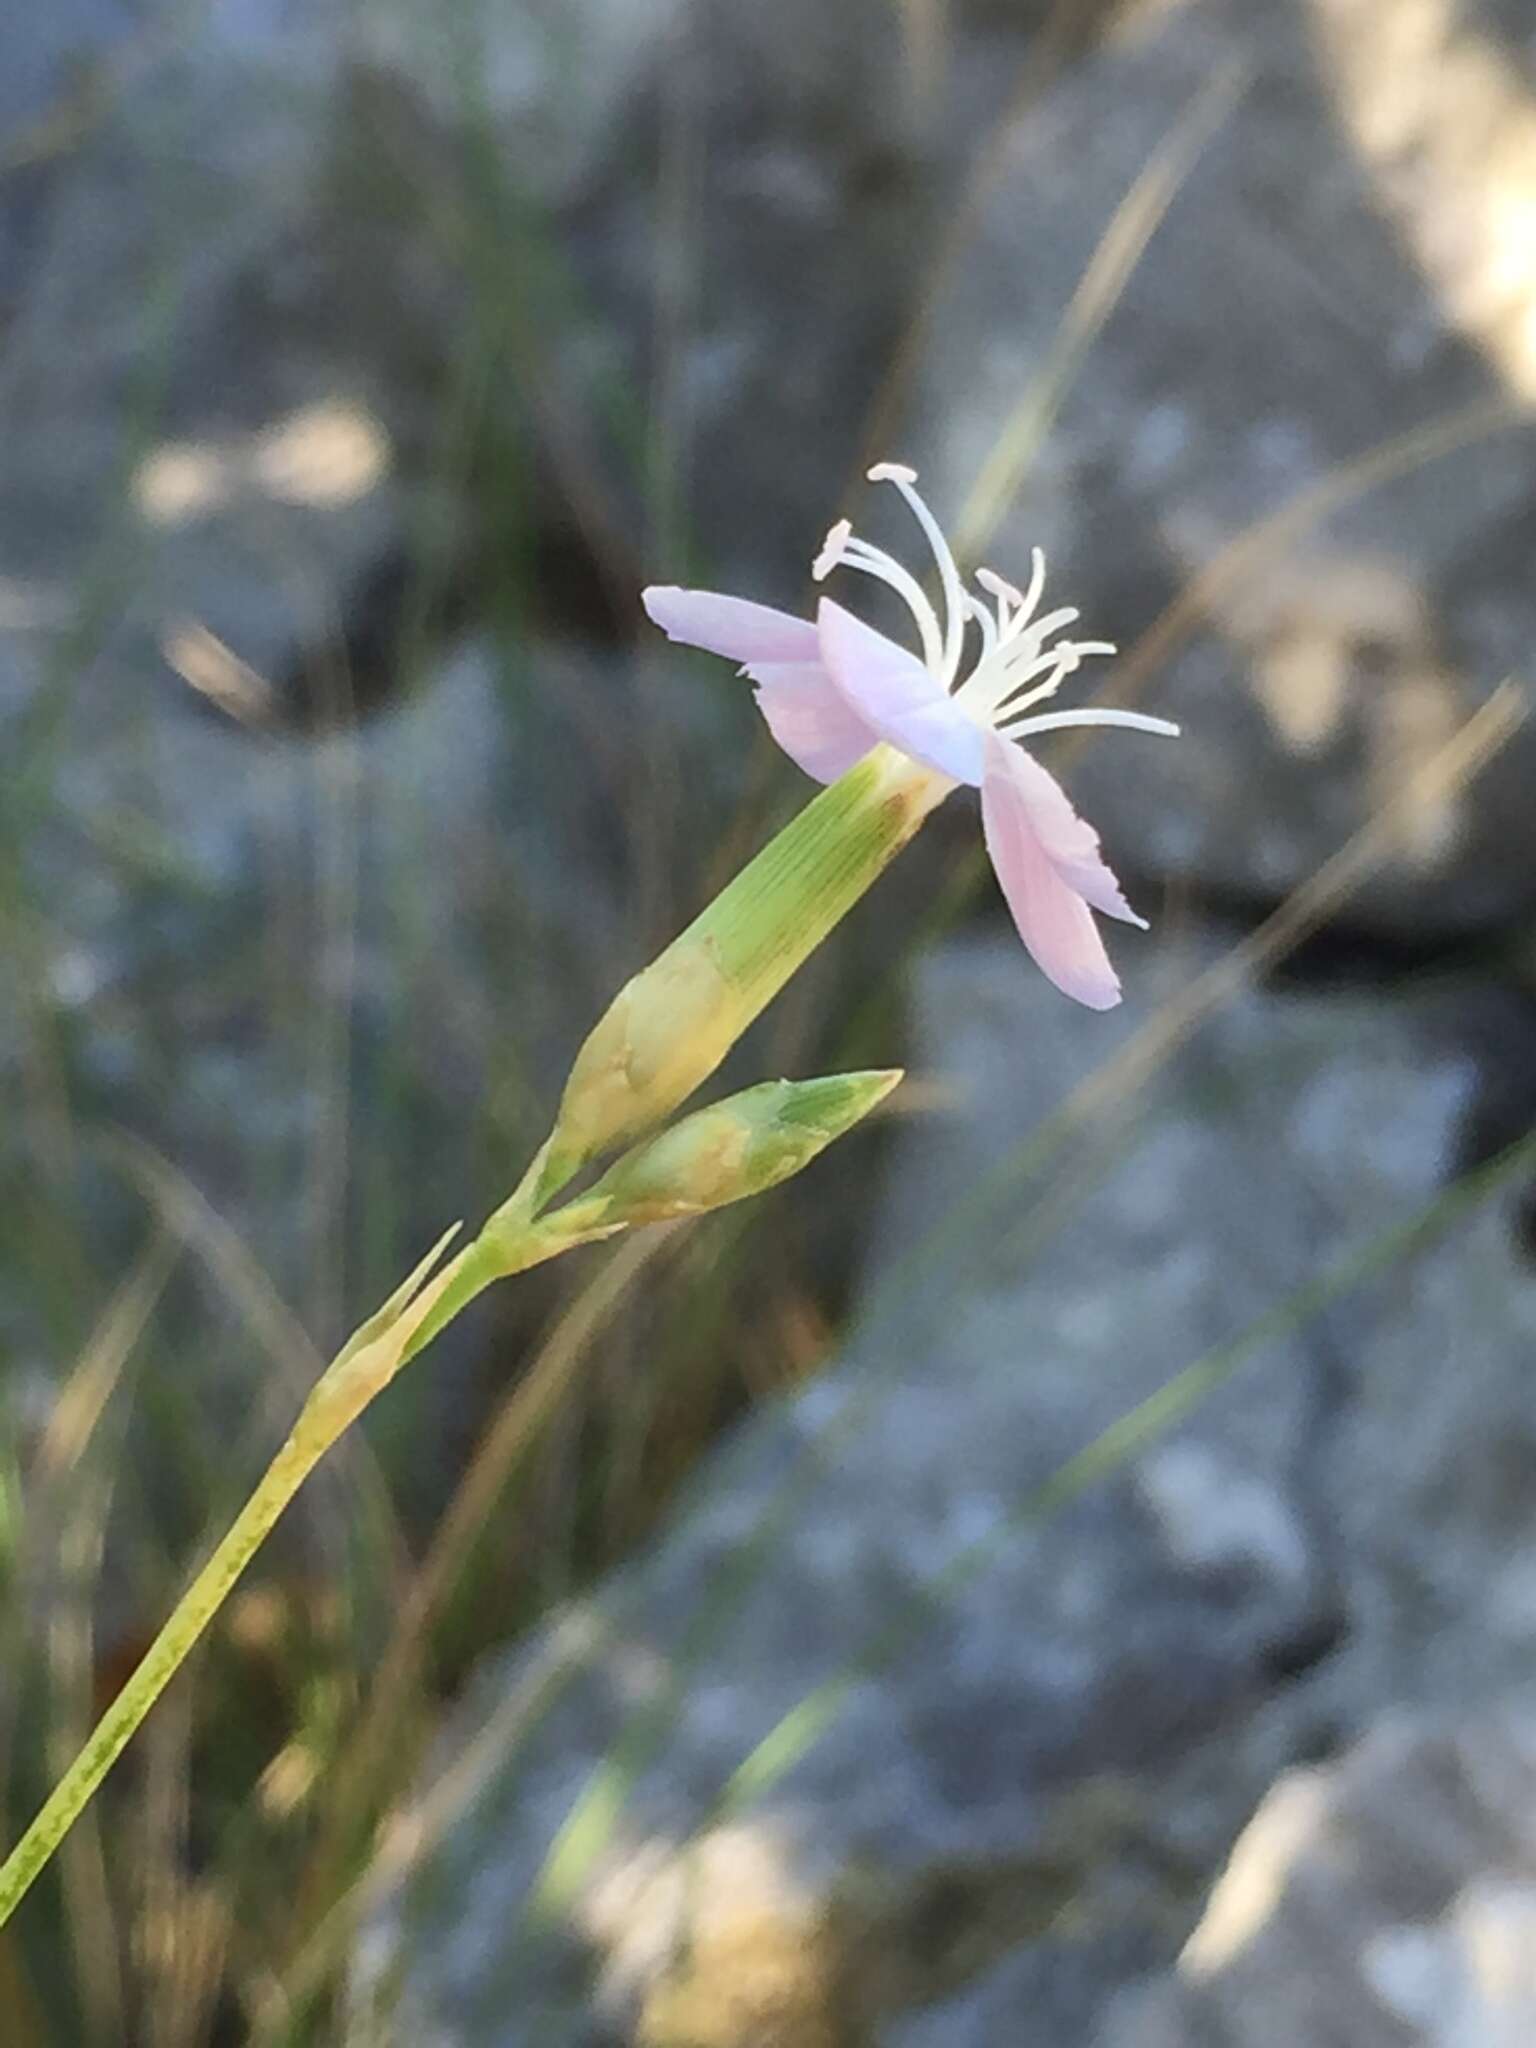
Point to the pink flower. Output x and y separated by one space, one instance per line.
833 688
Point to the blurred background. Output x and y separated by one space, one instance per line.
1065 1570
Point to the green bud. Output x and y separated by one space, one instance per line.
734 1148
670 1027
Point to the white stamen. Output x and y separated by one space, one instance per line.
949 576
832 550
1000 588
1027 599
1059 721
1015 668
1036 588
1055 664
989 626
858 554
1024 646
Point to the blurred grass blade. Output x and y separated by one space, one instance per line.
589 1826
66 1440
71 1499
1116 1446
1304 911
384 1748
1135 221
590 1822
1259 542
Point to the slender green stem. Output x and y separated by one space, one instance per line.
192 1614
361 1371
665 1033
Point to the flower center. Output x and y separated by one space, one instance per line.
1014 668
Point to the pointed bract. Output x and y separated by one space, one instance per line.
735 1148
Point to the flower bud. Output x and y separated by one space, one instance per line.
734 1148
670 1027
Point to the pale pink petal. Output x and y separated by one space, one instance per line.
896 695
1053 920
807 714
811 719
735 627
1070 842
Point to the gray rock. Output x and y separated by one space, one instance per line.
318 324
294 361
1387 1900
204 461
1051 1725
333 983
558 81
1343 265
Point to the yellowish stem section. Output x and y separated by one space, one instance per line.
668 1029
363 1369
666 1032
